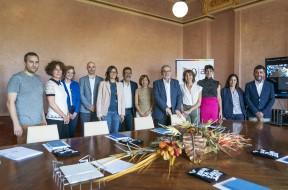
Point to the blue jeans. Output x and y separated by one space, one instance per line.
113 121
87 117
72 126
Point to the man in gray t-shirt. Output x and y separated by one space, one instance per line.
25 98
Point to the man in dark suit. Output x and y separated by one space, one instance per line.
259 95
167 97
89 85
129 95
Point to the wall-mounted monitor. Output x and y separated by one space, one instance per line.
277 73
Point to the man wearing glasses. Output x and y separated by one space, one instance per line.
167 97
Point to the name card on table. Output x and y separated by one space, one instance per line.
266 153
207 174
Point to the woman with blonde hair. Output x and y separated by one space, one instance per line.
73 98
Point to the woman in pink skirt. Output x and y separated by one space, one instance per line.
211 106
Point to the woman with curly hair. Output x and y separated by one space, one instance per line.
57 105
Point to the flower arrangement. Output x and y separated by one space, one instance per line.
170 150
196 141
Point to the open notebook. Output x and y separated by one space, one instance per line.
111 165
78 173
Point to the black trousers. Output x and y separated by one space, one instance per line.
63 129
127 124
165 120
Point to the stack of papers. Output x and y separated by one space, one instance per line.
54 145
19 153
78 173
111 165
118 136
238 184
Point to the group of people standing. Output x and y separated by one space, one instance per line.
118 102
92 99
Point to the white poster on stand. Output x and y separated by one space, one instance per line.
196 65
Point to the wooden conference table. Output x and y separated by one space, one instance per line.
36 173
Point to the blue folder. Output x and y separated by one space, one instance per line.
118 136
161 131
56 144
240 184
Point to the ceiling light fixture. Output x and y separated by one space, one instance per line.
180 8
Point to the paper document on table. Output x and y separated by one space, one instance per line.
80 172
111 165
176 120
19 153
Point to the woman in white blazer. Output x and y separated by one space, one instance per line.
110 100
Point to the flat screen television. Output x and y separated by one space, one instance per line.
277 73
